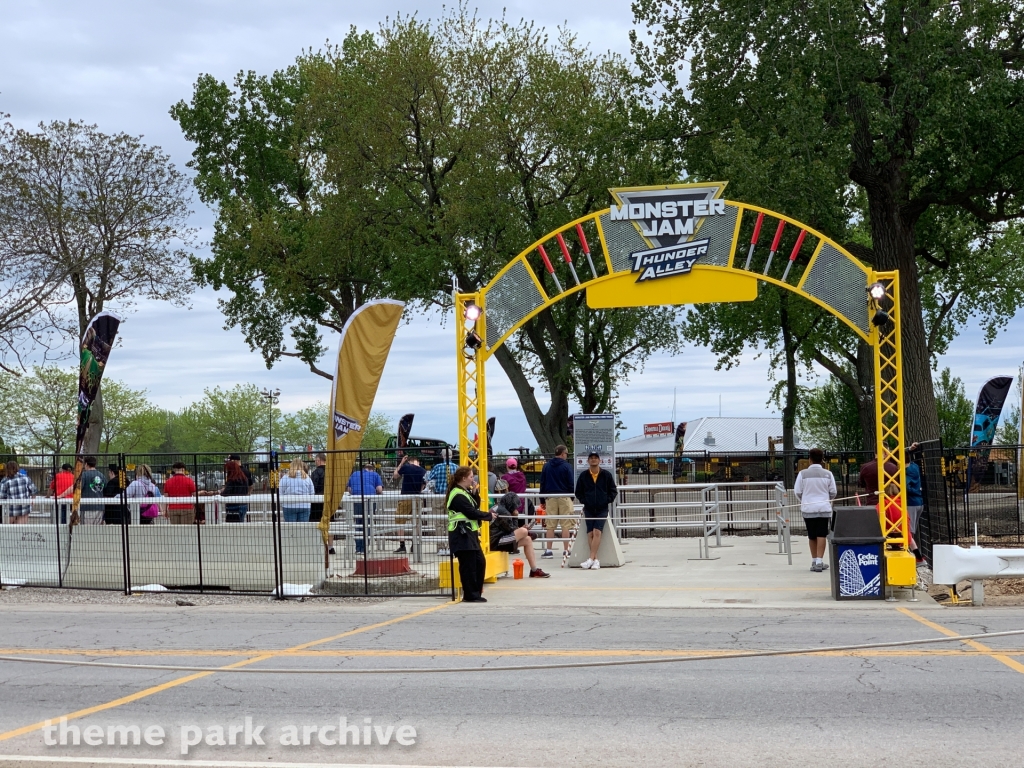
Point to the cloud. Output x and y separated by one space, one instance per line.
122 65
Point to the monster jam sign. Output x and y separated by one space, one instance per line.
667 219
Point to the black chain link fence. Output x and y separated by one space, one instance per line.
253 526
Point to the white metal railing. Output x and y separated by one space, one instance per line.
669 507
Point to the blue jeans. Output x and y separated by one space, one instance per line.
357 520
295 514
235 510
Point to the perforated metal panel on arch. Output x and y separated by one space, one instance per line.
509 299
622 239
840 282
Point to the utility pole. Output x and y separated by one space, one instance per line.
273 398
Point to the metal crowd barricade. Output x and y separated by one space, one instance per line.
782 524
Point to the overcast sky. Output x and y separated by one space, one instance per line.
121 65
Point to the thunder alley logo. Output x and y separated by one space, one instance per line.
668 219
665 262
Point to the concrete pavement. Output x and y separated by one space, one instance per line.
659 573
939 705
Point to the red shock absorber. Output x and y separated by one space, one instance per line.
795 253
548 267
567 257
586 248
754 239
775 246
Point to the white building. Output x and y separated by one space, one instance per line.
714 434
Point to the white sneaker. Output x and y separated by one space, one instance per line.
596 565
586 564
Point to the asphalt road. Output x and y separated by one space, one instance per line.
935 705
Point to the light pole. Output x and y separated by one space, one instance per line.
272 396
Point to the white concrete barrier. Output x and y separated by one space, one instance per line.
952 564
236 557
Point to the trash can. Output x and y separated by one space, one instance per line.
857 550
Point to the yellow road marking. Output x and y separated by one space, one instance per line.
1000 656
189 678
472 652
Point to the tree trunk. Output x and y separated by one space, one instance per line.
893 242
95 430
866 400
548 427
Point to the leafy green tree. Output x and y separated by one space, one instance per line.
828 418
391 163
228 420
39 410
912 110
102 217
307 426
131 424
379 427
956 412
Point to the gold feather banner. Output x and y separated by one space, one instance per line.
362 352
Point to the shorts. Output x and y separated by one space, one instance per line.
558 506
817 527
595 520
403 512
182 516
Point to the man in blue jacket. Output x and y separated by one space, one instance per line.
595 490
556 477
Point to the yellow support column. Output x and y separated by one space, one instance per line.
901 569
471 355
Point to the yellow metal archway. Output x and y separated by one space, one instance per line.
684 244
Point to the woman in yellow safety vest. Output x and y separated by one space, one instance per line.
464 516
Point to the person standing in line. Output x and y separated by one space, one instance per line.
816 487
318 476
236 483
440 474
868 479
438 479
16 487
295 482
556 477
92 488
180 485
915 498
113 514
596 490
515 478
363 482
143 487
464 515
63 487
414 480
245 471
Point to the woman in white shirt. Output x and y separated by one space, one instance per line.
296 482
143 487
816 487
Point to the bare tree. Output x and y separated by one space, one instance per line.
102 221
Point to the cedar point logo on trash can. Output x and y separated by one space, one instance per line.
667 219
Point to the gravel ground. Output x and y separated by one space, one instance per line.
997 591
30 595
